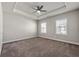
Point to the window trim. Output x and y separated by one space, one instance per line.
60 33
43 30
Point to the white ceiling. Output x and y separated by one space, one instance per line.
26 8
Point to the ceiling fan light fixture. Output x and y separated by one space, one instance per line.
38 12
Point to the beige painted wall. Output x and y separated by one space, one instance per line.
17 27
72 27
0 27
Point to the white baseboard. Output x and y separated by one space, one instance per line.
18 39
71 42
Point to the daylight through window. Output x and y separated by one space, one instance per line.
43 27
61 26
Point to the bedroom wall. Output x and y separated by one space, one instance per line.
72 27
17 27
1 19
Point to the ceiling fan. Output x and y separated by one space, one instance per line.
39 9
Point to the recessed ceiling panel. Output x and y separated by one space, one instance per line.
28 6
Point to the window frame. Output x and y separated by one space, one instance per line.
44 27
63 25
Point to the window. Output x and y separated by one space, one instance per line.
43 27
61 26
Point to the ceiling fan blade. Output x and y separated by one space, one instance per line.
43 10
38 8
41 7
35 7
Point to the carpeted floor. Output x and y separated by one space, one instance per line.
39 47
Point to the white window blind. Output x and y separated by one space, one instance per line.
61 26
43 27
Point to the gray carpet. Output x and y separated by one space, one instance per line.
39 47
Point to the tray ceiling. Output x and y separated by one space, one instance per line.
26 8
